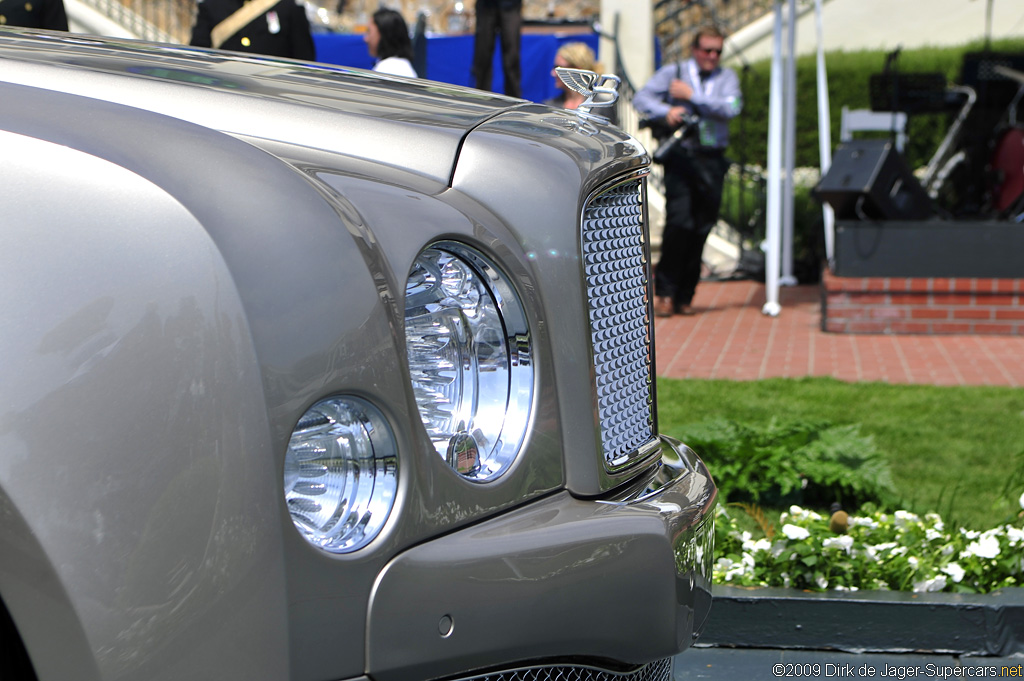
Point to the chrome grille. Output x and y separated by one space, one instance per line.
616 270
655 671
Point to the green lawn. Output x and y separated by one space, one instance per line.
958 451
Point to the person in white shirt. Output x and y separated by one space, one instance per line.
387 39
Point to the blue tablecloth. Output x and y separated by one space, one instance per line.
449 58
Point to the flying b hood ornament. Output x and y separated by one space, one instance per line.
597 90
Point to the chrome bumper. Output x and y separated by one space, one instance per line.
626 579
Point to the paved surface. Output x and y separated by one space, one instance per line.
729 338
756 664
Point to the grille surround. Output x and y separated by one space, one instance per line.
616 268
660 670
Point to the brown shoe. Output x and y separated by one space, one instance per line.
663 306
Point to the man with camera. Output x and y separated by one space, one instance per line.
688 105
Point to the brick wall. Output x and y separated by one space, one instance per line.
901 305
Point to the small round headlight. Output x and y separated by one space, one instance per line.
340 474
468 347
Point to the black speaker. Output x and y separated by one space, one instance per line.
868 180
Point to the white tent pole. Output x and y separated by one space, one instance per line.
773 216
824 135
789 148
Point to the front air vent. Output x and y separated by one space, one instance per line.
655 671
615 261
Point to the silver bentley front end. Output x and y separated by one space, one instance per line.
327 375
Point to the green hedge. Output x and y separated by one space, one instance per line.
848 78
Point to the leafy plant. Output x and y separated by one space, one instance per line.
849 74
784 462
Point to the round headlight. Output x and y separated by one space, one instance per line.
468 347
340 474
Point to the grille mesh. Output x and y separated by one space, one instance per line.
615 265
655 671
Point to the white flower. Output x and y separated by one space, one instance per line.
729 568
955 571
820 580
795 532
869 523
868 552
948 550
985 547
914 562
1014 535
937 583
798 513
970 534
1022 500
905 518
844 542
747 560
761 544
935 520
932 534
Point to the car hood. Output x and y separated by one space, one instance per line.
417 125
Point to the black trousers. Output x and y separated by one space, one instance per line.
492 21
693 196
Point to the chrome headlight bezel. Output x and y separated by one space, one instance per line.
491 391
358 477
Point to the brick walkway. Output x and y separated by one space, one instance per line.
729 338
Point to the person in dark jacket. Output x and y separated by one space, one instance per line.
494 18
701 89
272 27
47 14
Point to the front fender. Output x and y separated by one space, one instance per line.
137 489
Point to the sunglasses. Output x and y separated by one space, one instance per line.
711 50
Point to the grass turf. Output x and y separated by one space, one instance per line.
957 451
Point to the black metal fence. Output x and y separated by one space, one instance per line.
675 20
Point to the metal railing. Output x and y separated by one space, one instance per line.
164 21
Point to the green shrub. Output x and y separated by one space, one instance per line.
792 462
849 75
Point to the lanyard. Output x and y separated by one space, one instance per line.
704 128
705 86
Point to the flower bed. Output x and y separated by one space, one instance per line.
898 551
